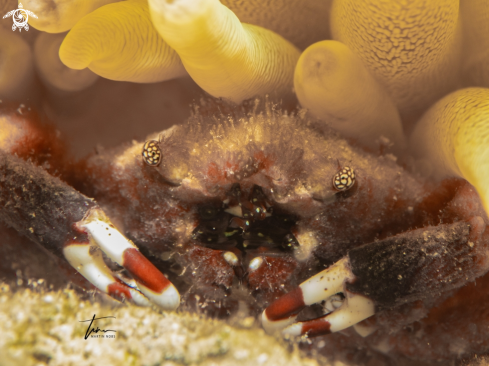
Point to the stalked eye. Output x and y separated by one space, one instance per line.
152 153
344 179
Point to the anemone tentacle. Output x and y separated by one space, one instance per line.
16 66
412 47
57 16
475 20
310 18
119 42
334 85
53 71
454 136
225 57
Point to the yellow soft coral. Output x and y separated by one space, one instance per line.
119 42
334 85
411 46
454 136
226 58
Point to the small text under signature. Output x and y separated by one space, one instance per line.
91 330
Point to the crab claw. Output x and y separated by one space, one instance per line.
149 280
411 266
354 309
281 314
71 225
90 264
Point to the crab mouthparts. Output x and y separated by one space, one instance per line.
245 223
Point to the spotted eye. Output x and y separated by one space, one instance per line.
152 153
344 179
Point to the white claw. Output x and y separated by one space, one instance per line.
169 299
110 240
272 327
91 266
364 330
342 312
326 283
355 308
333 303
294 330
150 281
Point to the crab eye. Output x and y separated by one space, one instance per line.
152 153
344 179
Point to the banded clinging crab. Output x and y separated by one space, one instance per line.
185 212
226 209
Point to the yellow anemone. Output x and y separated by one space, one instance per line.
225 57
57 16
119 42
334 85
411 46
454 136
53 71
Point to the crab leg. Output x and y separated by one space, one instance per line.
91 266
70 225
384 274
319 287
355 308
149 279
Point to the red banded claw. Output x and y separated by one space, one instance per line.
148 279
281 315
381 275
72 225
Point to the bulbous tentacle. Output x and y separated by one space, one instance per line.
453 137
17 66
334 85
225 57
475 21
119 42
56 16
413 50
310 18
53 71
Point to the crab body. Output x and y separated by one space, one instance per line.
243 208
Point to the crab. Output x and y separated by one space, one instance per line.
248 206
259 206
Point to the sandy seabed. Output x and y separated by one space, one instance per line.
40 327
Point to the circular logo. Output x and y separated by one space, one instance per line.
20 18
